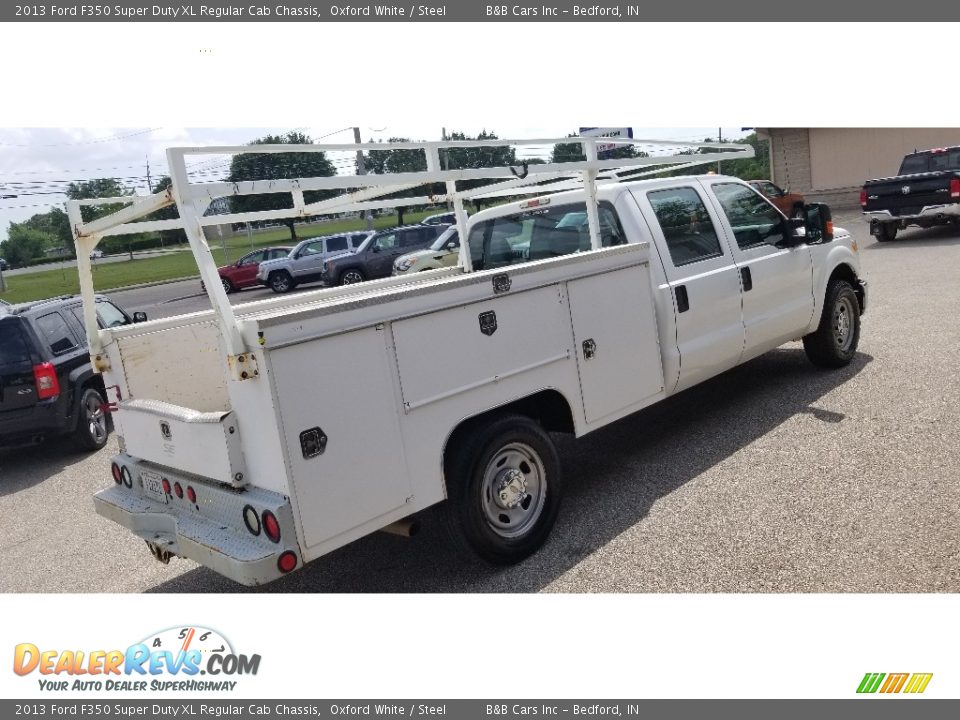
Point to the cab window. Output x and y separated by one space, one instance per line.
686 225
110 315
754 220
254 258
56 333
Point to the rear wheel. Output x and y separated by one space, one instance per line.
349 277
280 282
91 432
834 342
503 489
886 232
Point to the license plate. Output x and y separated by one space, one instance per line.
153 486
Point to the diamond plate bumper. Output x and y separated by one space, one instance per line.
211 531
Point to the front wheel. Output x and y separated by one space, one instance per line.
91 432
281 282
503 489
349 277
834 342
227 285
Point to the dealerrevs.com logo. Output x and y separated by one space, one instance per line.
172 659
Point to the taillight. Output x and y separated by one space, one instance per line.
178 490
166 486
271 527
863 197
191 495
115 471
45 377
287 561
954 187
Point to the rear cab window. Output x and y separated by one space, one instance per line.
686 225
540 233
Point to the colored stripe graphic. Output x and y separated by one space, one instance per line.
870 682
894 683
918 683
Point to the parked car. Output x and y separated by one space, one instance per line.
96 254
243 273
374 259
47 385
3 264
444 252
446 218
926 192
305 263
789 203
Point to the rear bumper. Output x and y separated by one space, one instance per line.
211 531
929 214
30 424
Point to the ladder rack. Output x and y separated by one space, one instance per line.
358 192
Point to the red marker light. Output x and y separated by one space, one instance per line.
287 561
115 471
166 485
178 490
270 526
191 495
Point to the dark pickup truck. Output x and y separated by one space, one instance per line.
926 192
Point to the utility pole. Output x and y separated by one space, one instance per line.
149 192
362 170
719 140
446 161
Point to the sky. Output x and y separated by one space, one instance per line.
36 164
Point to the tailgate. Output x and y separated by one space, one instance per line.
908 194
201 443
17 385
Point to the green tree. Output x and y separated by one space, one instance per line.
382 162
54 223
167 213
102 187
271 166
573 152
24 243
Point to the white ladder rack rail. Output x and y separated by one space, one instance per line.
361 192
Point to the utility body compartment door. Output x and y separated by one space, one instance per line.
618 351
342 434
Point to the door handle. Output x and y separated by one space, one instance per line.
747 279
683 301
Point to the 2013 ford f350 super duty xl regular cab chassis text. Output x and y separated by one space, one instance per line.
593 299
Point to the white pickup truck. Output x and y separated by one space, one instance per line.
244 448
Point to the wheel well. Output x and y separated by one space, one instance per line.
547 407
845 272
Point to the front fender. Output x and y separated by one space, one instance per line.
842 253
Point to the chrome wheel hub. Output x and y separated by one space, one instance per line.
511 488
843 324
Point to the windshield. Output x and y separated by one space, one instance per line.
447 235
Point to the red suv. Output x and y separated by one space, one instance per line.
789 203
243 273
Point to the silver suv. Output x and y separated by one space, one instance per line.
305 263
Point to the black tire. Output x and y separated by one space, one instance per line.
834 343
886 232
227 286
92 430
351 276
503 489
281 282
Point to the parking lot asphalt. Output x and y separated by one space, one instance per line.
774 477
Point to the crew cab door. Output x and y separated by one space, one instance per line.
702 280
777 282
309 260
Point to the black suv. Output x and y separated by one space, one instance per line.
47 385
374 259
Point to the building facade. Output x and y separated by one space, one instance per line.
830 164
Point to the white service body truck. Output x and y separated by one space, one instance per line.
244 448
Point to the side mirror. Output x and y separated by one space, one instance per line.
139 317
453 245
375 248
818 221
795 233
